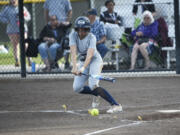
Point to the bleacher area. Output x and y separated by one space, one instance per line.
164 9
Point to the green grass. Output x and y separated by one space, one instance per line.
8 59
38 60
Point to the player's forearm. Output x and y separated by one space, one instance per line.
73 55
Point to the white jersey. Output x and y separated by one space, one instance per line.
83 45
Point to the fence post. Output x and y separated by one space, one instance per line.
177 33
34 20
22 45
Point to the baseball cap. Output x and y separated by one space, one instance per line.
92 11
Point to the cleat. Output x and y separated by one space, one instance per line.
115 109
96 102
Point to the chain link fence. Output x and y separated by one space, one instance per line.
120 46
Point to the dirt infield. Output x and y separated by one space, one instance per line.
34 107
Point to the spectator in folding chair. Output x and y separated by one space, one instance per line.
145 39
10 16
97 28
63 10
51 39
112 21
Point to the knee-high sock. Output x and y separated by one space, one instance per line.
105 95
87 90
99 91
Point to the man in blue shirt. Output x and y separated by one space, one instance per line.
97 28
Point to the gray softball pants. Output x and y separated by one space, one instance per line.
94 68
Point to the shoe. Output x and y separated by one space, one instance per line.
146 68
96 102
115 109
131 69
67 65
54 66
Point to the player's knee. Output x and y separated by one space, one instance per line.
93 86
77 88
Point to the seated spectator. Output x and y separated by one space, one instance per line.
50 37
139 8
144 37
97 28
112 21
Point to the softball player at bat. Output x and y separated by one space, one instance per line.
86 59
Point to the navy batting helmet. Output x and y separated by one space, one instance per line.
82 22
